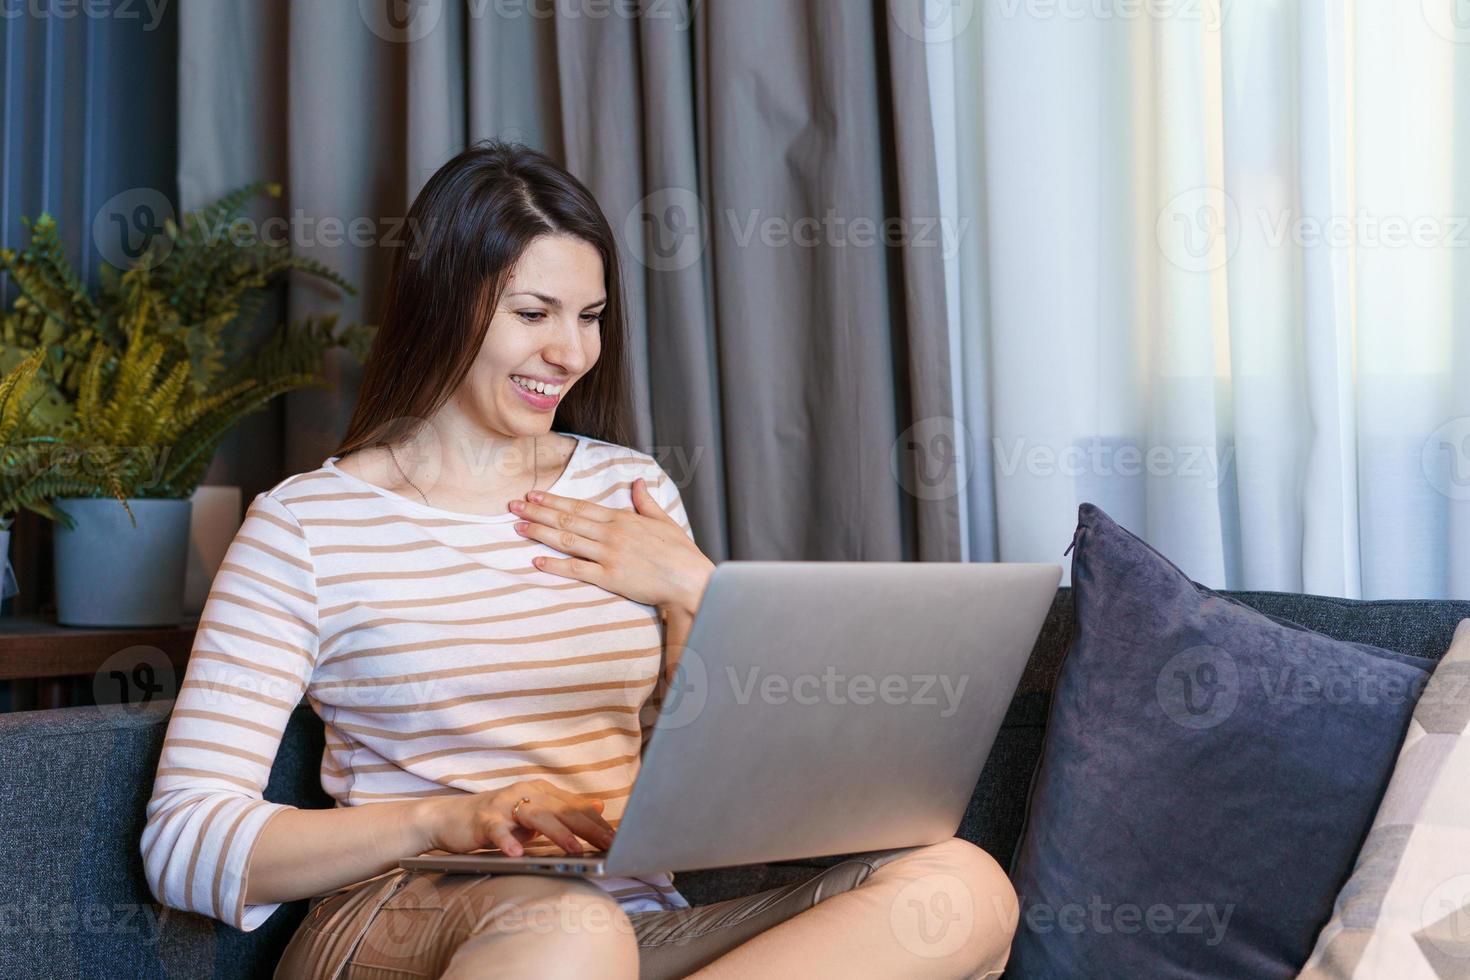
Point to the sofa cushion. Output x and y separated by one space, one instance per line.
75 784
1405 912
1208 775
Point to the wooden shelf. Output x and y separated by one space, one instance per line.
36 647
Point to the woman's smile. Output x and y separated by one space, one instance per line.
540 394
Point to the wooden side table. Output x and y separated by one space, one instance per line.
43 665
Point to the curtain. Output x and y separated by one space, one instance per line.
769 164
1218 282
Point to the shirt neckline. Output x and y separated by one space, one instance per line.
330 465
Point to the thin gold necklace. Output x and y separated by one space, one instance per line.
534 470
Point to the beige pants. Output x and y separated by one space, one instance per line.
405 924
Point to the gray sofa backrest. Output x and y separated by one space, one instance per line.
73 787
74 784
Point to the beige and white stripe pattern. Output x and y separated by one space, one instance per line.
1405 912
439 658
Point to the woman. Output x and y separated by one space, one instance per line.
481 608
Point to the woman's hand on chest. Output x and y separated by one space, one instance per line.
643 554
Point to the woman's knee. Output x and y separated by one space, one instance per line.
952 899
558 926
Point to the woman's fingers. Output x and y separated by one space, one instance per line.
559 519
644 501
565 541
577 568
592 831
508 835
542 819
574 505
584 815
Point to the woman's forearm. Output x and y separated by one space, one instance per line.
301 853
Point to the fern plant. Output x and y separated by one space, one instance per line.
141 382
21 437
140 432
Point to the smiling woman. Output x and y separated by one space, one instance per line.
498 226
484 612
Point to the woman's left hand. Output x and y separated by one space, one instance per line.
643 555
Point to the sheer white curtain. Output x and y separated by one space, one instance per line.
1215 279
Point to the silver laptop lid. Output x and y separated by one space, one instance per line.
829 708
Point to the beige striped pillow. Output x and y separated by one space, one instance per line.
1405 912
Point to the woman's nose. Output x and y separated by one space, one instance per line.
566 353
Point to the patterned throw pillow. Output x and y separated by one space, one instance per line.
1405 912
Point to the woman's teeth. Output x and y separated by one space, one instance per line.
539 387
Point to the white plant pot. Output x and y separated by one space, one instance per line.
110 573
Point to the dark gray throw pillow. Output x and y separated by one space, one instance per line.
1207 778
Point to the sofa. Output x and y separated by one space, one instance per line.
74 783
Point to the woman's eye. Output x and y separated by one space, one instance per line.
591 317
532 316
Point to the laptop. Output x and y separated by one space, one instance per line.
820 708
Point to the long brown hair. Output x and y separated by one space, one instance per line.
468 227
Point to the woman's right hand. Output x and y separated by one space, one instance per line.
469 822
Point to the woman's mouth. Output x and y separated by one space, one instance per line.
540 395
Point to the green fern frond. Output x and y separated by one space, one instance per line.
15 396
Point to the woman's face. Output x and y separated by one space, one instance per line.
546 328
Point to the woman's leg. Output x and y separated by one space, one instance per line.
428 924
946 910
549 928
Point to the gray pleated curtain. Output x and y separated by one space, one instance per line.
744 154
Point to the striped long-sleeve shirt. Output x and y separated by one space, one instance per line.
439 659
